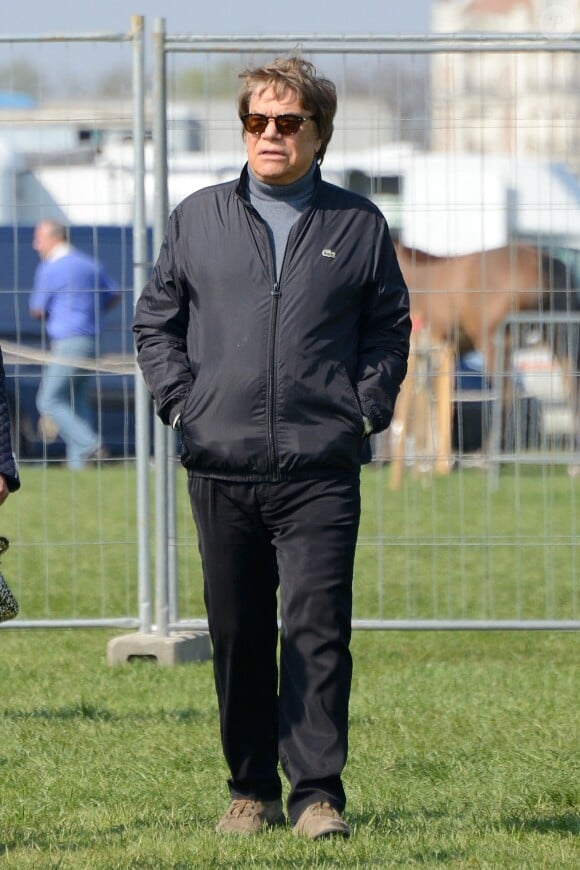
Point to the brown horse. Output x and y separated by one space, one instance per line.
463 300
458 304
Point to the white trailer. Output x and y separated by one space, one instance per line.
448 204
457 203
443 203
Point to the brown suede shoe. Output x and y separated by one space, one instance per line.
245 816
321 820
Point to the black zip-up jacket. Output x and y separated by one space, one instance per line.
7 462
273 378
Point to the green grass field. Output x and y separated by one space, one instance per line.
464 746
453 549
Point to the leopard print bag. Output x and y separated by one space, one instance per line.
8 603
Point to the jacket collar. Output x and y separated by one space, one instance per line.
242 186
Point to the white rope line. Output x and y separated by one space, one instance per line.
114 363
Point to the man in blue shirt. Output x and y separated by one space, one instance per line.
71 291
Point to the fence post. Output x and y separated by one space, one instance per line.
159 222
176 648
158 645
142 403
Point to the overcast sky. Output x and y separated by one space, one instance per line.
219 17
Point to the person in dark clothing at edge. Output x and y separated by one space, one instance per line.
274 335
9 479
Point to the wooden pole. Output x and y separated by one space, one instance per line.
444 408
422 417
400 424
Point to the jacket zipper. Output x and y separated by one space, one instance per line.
271 362
271 385
271 375
271 381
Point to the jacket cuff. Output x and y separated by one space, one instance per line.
175 416
13 483
378 417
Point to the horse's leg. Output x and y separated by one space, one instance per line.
400 423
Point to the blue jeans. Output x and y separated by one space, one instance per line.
63 397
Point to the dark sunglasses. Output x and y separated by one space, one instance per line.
286 125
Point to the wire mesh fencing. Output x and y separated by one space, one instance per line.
470 503
67 104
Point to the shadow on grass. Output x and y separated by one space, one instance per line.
566 824
100 714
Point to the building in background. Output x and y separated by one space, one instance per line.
522 104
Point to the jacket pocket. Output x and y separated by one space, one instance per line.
351 394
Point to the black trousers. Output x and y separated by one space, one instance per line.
300 538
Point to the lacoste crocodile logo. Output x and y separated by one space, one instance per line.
328 253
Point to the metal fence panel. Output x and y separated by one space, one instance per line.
441 553
468 523
76 559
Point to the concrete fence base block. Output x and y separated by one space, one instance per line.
176 649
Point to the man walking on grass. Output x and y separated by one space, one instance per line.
274 335
71 292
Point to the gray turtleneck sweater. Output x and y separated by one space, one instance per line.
280 206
